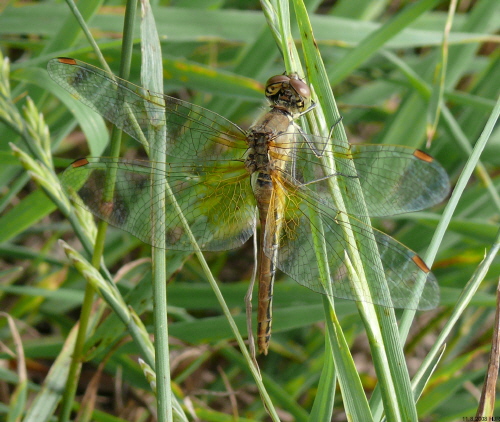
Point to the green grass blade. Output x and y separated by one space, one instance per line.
370 45
325 399
151 78
43 407
473 284
389 361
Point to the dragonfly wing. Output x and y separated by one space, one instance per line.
311 229
394 179
193 132
217 203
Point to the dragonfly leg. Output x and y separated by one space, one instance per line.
314 148
311 144
330 134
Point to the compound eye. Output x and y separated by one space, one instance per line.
301 88
275 83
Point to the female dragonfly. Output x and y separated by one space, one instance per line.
224 178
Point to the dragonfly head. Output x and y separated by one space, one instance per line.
289 92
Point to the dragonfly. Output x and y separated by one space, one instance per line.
224 180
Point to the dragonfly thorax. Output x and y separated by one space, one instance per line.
266 140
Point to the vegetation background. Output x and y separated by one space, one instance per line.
393 78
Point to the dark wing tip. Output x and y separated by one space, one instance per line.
66 60
80 162
421 264
421 155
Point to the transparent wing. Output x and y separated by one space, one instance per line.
193 132
217 202
394 179
309 228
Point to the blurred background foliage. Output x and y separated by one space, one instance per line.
219 54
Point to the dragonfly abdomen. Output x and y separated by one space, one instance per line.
267 155
270 205
267 271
